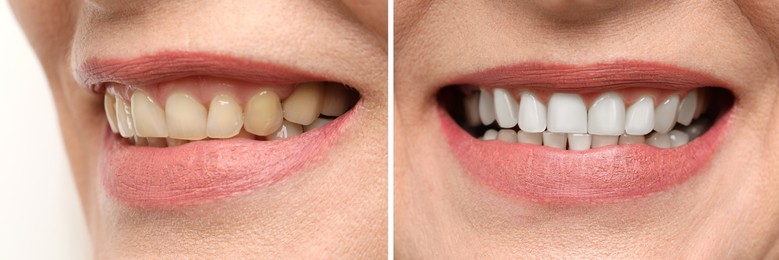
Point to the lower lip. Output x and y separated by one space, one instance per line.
205 171
549 175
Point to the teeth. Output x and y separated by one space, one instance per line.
702 104
631 139
124 118
687 108
665 114
472 109
659 140
604 140
156 142
175 142
678 138
186 117
109 103
697 128
507 135
225 117
319 122
263 113
532 114
607 115
529 138
148 117
490 134
486 107
505 108
556 140
579 142
304 104
287 130
567 114
336 100
640 117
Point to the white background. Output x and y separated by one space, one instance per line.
40 215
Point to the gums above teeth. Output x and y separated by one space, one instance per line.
568 121
139 117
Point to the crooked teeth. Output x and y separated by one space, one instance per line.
567 114
148 116
505 108
263 113
225 117
640 117
607 115
304 104
186 117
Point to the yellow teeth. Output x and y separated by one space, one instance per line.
148 116
263 113
225 117
304 104
186 117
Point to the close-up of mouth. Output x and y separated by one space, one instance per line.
186 128
595 133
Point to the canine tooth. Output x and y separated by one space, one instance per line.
530 138
109 104
532 114
124 118
607 115
631 139
287 130
505 108
148 116
665 114
336 100
567 114
175 142
659 140
678 138
187 118
640 117
507 135
604 140
263 113
556 140
225 117
697 128
304 104
579 142
139 141
319 122
471 106
156 142
687 108
490 134
486 107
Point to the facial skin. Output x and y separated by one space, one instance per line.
728 211
336 207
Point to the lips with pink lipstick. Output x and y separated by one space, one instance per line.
570 134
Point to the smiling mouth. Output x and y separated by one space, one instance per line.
570 134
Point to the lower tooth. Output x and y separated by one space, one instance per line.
604 140
139 141
288 130
631 139
678 138
156 142
529 138
175 142
659 140
697 128
556 140
490 134
507 135
319 122
579 142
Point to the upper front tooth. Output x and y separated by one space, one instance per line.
505 108
186 117
109 103
607 115
124 118
304 104
567 114
687 108
148 116
225 117
665 114
336 100
486 107
640 117
532 114
263 113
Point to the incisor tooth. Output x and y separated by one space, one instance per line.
532 114
566 114
263 113
225 117
287 130
186 117
336 100
529 138
579 142
604 140
640 117
631 139
157 142
687 108
319 122
175 142
556 140
304 104
506 108
109 103
148 116
665 114
124 118
606 115
507 135
490 134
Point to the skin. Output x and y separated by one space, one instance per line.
336 207
730 210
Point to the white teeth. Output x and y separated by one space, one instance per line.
687 108
335 101
148 117
567 114
678 138
640 117
124 118
697 128
604 140
287 130
490 134
507 135
532 114
109 104
304 104
530 138
186 117
631 139
556 140
263 113
659 140
319 122
472 109
579 142
665 114
607 115
702 104
225 117
505 108
486 107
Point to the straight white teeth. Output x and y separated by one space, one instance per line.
640 117
486 107
567 114
532 114
505 108
607 115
